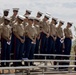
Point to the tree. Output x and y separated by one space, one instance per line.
74 42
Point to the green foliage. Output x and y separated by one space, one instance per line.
75 30
74 42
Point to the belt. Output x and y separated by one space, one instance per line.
40 28
33 37
47 32
54 35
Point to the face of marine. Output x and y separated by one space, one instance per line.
53 22
35 22
6 13
45 19
60 24
15 13
38 15
30 22
19 20
27 13
69 26
26 20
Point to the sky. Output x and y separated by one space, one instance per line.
64 10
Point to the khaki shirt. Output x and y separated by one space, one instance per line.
13 19
6 31
1 20
53 30
67 33
38 29
59 32
25 23
19 28
45 26
40 26
31 30
1 26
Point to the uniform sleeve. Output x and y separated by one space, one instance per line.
62 32
65 33
71 33
57 31
41 25
11 21
26 30
50 29
14 28
39 29
0 30
10 29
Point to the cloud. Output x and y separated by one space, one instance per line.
62 9
70 5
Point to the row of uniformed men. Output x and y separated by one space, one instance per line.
24 35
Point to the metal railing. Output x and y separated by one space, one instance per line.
42 67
